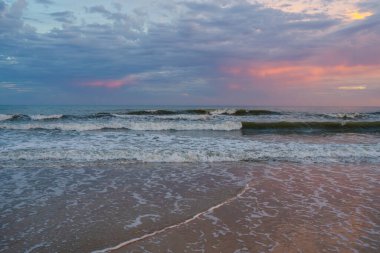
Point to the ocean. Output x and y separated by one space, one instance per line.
186 179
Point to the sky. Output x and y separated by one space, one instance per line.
190 52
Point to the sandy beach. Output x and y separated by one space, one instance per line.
232 207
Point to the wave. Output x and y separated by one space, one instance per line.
194 114
44 117
243 112
253 113
37 117
151 112
169 117
344 116
5 117
310 126
162 148
98 115
167 112
232 112
20 117
138 126
195 122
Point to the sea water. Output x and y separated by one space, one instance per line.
100 133
88 178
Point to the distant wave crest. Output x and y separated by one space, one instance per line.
43 117
313 126
20 117
5 117
232 112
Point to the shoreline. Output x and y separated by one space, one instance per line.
188 207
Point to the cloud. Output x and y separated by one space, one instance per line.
362 87
114 16
115 83
360 15
8 60
46 2
63 16
11 16
14 87
346 10
98 9
285 73
186 47
2 7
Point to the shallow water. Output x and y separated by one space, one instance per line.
286 206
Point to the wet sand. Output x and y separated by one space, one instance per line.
218 207
287 209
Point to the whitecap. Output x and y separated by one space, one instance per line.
223 111
42 117
5 117
137 126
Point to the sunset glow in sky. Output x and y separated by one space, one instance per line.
190 52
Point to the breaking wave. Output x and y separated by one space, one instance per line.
16 117
169 148
194 114
194 122
232 112
5 117
43 117
345 116
138 126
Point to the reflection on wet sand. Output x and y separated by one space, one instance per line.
291 208
186 207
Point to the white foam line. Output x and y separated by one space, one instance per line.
196 216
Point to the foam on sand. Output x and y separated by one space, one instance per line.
196 216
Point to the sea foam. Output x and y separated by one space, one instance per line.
131 125
5 117
150 147
43 117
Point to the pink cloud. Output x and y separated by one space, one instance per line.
301 83
112 83
234 86
301 73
